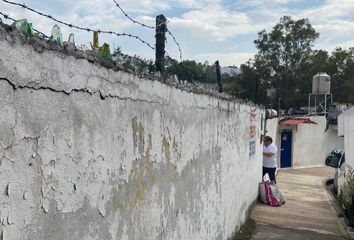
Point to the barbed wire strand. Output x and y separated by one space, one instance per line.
6 16
175 40
151 27
131 19
78 27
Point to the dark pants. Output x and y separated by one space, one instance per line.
271 173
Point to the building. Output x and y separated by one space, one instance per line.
303 141
231 70
346 130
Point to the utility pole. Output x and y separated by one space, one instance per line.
161 28
218 75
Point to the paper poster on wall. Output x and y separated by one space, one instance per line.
253 131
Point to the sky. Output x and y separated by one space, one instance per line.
207 30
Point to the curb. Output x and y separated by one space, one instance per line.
347 231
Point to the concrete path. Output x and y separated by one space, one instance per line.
307 214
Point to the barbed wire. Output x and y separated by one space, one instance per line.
151 27
131 19
6 16
78 27
175 40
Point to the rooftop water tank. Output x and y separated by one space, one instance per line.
321 83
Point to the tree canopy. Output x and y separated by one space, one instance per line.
284 64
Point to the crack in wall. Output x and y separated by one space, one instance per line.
82 90
105 96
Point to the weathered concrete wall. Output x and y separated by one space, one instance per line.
272 128
346 124
90 153
311 143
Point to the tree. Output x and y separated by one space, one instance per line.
341 69
282 54
193 71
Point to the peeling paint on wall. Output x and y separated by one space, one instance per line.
90 153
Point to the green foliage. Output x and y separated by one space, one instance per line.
341 69
285 61
135 64
193 71
281 53
346 197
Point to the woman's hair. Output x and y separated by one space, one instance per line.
267 138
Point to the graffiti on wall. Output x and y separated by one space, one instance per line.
253 132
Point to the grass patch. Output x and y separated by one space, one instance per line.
246 231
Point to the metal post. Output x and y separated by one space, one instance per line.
309 110
218 75
161 28
325 104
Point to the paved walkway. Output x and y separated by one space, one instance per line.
307 214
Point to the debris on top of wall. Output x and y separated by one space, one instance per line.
116 62
106 52
70 44
25 27
56 35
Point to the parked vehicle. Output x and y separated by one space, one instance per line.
335 159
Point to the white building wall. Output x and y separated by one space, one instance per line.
347 124
341 125
272 128
310 142
273 131
91 153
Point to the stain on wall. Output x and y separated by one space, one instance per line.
90 153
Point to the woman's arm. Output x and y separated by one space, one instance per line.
268 154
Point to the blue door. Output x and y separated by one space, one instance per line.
285 149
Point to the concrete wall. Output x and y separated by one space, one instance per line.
90 153
346 124
310 142
272 128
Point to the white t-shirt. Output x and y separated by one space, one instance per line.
270 162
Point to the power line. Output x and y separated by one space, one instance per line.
78 27
131 19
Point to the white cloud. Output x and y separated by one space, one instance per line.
203 27
332 20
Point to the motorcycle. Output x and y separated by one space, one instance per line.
335 159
